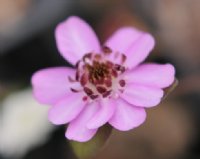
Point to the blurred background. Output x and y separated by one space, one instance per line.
27 44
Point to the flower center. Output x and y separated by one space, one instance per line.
98 76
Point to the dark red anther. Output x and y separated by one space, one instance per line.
114 73
117 67
85 98
123 58
101 89
88 91
122 83
84 79
108 82
89 56
77 64
77 75
94 96
109 64
93 81
97 56
98 82
106 50
101 81
74 90
122 69
106 94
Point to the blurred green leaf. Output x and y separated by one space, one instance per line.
86 150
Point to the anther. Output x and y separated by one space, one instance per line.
122 69
74 90
85 98
123 58
94 96
77 75
88 91
77 64
117 67
84 79
106 94
106 50
101 89
108 82
122 83
109 64
97 56
114 73
87 56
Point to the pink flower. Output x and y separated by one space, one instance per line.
107 84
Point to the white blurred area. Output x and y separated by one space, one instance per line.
23 124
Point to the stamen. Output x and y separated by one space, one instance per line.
84 79
122 83
106 50
74 90
98 76
117 67
122 69
109 64
85 98
114 73
88 91
97 56
94 96
101 89
123 58
77 75
106 94
77 64
108 82
87 56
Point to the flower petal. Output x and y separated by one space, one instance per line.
142 96
50 85
123 39
74 38
126 116
66 109
77 129
157 75
138 52
105 112
135 44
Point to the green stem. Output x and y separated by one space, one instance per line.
87 150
